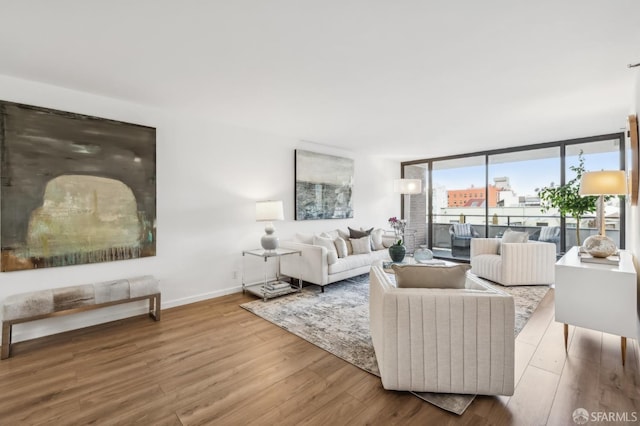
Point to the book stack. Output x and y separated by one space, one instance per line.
611 260
276 288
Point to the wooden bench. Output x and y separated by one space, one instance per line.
35 305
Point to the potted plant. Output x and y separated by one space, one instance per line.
397 251
567 199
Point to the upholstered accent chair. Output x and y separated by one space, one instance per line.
461 235
526 263
449 340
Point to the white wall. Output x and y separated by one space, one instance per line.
208 178
633 218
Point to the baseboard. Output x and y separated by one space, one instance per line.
200 297
61 324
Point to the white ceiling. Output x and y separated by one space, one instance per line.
409 79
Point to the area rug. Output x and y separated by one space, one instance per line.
338 322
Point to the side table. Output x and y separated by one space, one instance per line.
599 297
268 288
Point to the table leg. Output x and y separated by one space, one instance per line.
566 336
623 348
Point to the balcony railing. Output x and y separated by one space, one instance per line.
530 224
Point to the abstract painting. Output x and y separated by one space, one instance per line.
324 186
75 189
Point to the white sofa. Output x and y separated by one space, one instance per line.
443 340
529 263
316 266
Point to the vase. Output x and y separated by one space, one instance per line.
397 252
423 254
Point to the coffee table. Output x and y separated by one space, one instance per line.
386 265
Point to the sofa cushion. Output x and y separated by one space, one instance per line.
376 239
341 247
357 261
347 239
332 254
511 236
361 245
331 234
421 276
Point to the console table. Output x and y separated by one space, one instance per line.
597 296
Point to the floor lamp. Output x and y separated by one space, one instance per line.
408 187
606 182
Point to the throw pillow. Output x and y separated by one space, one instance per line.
376 239
361 245
388 241
346 238
462 230
304 238
421 276
511 236
332 254
354 233
341 247
332 234
547 233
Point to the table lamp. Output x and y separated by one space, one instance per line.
602 183
269 211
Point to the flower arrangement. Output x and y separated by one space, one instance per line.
398 226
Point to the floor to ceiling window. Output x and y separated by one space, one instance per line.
516 178
601 155
485 193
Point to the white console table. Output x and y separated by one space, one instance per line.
599 297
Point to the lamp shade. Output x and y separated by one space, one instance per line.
267 211
605 182
407 186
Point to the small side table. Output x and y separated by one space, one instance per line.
268 288
599 297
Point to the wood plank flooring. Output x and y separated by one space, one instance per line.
212 362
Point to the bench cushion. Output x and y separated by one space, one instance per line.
43 302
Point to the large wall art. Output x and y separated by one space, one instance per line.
75 189
324 186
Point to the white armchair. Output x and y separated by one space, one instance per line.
443 340
529 263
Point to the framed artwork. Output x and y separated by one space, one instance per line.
324 186
75 189
633 161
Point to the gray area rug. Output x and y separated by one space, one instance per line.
338 322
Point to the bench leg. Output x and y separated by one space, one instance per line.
154 307
6 340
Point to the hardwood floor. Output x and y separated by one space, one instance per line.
212 362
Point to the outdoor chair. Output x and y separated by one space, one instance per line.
461 235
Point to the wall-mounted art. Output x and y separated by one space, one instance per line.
324 186
75 189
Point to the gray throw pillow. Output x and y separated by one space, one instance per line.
354 233
423 276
